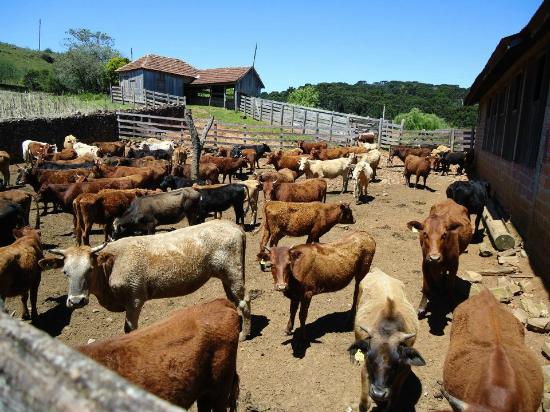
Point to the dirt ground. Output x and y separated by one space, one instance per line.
276 373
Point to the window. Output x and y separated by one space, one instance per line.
161 83
512 118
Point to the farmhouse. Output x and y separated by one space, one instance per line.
512 137
217 87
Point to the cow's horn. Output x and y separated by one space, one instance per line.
98 248
455 403
59 252
405 336
268 250
366 329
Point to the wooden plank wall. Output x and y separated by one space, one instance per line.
147 98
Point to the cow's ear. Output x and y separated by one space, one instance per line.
50 263
413 357
344 206
294 254
362 345
453 226
415 224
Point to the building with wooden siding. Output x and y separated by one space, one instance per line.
512 149
217 87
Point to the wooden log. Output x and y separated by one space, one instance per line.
497 272
499 235
39 373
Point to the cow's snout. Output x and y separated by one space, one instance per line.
78 301
281 287
379 394
434 257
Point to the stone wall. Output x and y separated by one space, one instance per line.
100 126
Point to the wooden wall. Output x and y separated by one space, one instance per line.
250 84
148 79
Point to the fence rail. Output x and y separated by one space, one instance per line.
145 97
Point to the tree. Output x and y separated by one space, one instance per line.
418 120
82 67
307 95
36 80
113 64
8 72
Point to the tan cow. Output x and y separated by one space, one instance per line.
385 332
5 167
189 356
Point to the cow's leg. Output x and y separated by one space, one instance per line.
425 178
24 309
236 292
132 315
451 283
304 307
364 402
294 303
424 300
204 403
34 296
108 230
416 182
478 219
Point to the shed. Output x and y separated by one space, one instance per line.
512 149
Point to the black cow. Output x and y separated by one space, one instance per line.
222 198
472 195
11 216
452 158
66 166
157 154
261 149
175 182
147 212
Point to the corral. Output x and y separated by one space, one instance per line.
277 372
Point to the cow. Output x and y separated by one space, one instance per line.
282 175
152 175
101 208
5 167
307 147
418 166
444 235
311 190
11 216
385 332
373 158
65 154
224 152
158 147
78 163
135 153
19 270
329 154
452 158
361 175
329 169
260 149
23 199
221 198
33 149
83 149
207 171
251 157
366 137
69 141
304 271
227 166
403 151
146 213
124 274
199 356
115 148
280 161
488 365
370 146
313 219
174 182
473 195
293 152
179 156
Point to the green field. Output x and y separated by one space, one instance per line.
223 115
15 62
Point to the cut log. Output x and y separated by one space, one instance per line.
501 238
497 272
39 373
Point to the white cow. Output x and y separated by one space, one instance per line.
385 328
69 141
369 146
329 169
373 158
124 274
166 146
361 175
83 149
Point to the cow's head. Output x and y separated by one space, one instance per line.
315 153
434 237
241 162
304 164
266 148
169 182
273 157
78 264
281 262
268 186
361 167
131 223
346 214
388 354
23 174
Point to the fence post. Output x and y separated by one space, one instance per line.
317 126
154 99
292 122
271 114
215 133
244 133
331 122
122 93
253 101
282 114
452 143
380 121
111 90
185 100
134 98
261 109
305 119
281 137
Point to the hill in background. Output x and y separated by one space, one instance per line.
366 99
16 61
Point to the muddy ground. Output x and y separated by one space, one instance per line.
276 373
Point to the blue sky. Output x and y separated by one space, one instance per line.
298 42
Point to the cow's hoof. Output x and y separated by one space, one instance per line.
421 313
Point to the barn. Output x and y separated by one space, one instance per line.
217 87
512 149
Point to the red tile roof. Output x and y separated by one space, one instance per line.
222 75
161 64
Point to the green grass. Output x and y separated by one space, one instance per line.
23 60
221 114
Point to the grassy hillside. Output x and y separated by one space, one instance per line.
16 61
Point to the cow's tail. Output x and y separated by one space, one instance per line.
248 196
234 394
37 222
78 221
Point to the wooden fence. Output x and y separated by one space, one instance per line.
144 98
141 126
39 373
457 139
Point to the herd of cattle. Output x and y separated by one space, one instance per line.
190 356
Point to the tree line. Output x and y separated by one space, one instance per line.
399 98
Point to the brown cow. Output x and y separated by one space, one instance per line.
19 269
226 165
418 166
179 156
329 154
5 167
488 366
224 152
190 356
280 161
152 175
403 151
33 150
299 219
79 160
251 157
444 235
311 190
65 154
23 199
115 148
304 271
282 175
207 171
307 147
101 208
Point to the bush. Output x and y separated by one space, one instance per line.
307 95
47 58
8 72
113 64
36 80
48 50
418 120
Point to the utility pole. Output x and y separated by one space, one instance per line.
39 29
255 50
131 54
